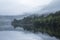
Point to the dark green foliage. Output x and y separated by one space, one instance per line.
14 23
46 24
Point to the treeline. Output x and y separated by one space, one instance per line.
45 23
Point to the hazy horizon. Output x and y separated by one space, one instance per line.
29 19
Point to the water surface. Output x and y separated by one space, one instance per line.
7 32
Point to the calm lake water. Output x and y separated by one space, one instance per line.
7 32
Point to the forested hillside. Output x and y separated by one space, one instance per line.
46 24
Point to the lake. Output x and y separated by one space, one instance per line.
7 32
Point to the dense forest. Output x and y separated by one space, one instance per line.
44 23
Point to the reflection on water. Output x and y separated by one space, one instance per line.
5 24
20 35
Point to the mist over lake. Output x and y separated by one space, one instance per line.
29 19
7 32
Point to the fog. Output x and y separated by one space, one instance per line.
20 7
11 9
7 32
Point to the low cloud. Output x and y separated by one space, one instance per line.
52 7
16 7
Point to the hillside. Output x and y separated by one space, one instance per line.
46 24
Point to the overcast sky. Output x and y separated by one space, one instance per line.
19 7
52 7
